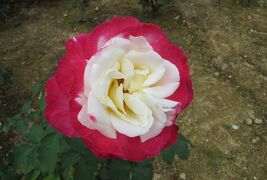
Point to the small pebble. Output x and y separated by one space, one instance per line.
251 114
255 140
216 73
182 176
177 17
249 121
258 121
97 8
234 126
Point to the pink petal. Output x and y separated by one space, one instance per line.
57 109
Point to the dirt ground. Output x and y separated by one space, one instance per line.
227 46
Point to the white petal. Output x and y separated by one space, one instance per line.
155 130
122 43
162 91
126 128
155 76
106 60
88 74
99 117
127 69
116 94
149 59
163 103
171 74
138 120
109 56
101 87
141 43
160 119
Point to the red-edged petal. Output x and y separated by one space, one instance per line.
57 109
151 32
130 149
78 48
184 94
124 147
111 28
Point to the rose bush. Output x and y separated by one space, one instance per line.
120 89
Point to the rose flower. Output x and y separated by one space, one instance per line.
120 89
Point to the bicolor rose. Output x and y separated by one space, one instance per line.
120 89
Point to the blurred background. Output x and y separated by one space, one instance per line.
225 40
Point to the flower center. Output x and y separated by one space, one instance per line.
120 89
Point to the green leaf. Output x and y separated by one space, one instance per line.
52 177
83 171
33 175
7 172
142 170
119 169
76 144
36 89
26 107
48 152
41 101
180 147
21 127
24 158
2 80
90 157
69 160
36 133
10 122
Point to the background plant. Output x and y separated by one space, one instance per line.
42 153
154 4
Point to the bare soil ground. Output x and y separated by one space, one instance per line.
227 46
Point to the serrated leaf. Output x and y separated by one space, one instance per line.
10 122
36 133
48 152
41 101
119 169
36 89
142 170
26 107
69 160
83 171
180 147
168 154
24 157
21 127
76 144
33 175
7 172
103 174
52 177
90 157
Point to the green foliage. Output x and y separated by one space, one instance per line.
154 4
77 4
4 77
42 153
4 9
181 147
123 170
